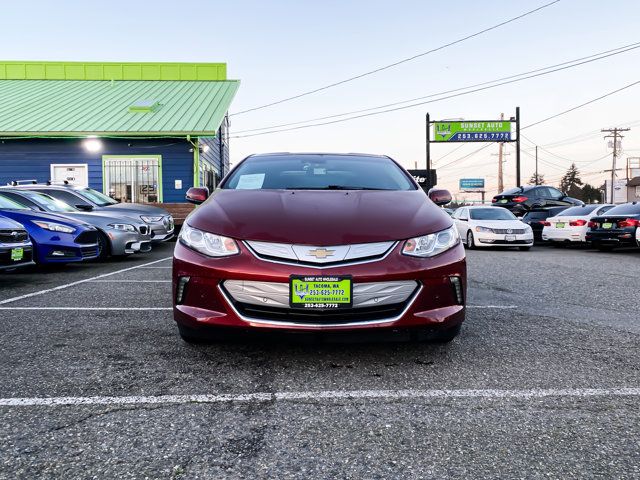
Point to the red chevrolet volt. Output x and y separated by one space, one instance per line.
319 243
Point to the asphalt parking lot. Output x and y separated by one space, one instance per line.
543 382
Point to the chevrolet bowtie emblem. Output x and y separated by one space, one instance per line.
321 253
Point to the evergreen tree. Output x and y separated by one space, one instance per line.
540 179
571 183
590 194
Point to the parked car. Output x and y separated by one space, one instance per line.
616 228
448 210
537 218
319 243
16 249
88 199
55 239
491 227
520 200
117 234
572 224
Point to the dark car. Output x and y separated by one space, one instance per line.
616 228
16 249
522 199
158 220
319 243
536 219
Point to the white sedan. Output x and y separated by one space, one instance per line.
492 227
572 224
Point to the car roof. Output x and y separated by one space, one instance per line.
482 206
316 154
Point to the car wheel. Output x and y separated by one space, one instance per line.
103 246
445 336
470 243
192 336
524 249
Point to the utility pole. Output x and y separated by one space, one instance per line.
615 134
500 178
537 166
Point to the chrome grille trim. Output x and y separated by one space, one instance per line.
318 326
290 254
276 294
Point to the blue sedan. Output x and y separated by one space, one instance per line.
55 239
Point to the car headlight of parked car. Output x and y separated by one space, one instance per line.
206 243
432 244
151 218
125 227
54 227
484 229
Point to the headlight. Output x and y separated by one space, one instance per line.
125 227
432 244
527 228
208 244
151 218
484 229
54 227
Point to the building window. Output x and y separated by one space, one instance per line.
133 179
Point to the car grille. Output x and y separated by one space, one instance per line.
5 257
507 231
90 236
270 301
88 252
143 229
13 236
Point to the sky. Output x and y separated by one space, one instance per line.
282 48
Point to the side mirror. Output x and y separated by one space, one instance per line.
197 195
83 207
439 197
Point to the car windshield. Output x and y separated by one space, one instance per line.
318 172
96 197
491 213
578 211
512 191
6 204
625 209
49 203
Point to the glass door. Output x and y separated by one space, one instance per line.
133 180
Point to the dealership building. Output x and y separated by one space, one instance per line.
139 132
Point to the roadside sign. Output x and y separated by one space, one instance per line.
422 178
472 131
471 183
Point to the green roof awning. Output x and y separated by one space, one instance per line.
70 107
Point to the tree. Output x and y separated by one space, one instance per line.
590 194
536 179
571 182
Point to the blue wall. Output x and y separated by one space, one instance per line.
31 159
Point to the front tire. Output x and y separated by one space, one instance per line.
470 242
104 246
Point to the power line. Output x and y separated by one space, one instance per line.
433 101
399 62
600 55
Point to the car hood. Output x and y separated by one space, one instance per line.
102 218
7 223
500 224
319 217
21 215
135 208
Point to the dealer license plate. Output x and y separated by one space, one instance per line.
559 225
607 226
320 292
17 254
504 200
510 238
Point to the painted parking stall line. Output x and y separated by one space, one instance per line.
80 282
491 394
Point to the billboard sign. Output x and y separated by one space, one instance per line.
472 131
422 178
472 184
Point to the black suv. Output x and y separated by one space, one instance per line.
520 200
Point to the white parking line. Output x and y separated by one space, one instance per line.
155 267
505 307
73 284
493 394
134 309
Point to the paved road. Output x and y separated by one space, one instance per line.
544 382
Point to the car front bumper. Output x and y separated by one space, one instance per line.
207 302
485 239
126 243
5 256
163 230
